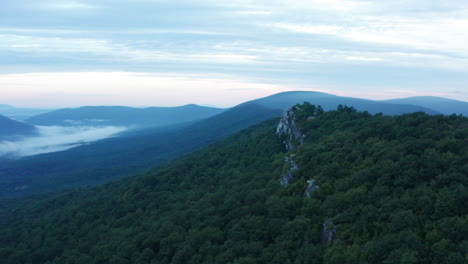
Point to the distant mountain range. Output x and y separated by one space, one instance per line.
11 129
332 187
123 116
331 102
122 156
117 157
20 113
439 104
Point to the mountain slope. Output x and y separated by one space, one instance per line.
389 190
103 161
11 129
331 102
124 116
20 113
439 104
118 157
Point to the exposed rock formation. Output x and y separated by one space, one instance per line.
288 129
310 188
328 231
292 166
293 138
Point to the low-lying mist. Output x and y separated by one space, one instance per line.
56 138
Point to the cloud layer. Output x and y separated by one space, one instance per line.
338 45
52 139
69 89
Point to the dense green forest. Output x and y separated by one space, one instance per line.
136 151
113 158
388 189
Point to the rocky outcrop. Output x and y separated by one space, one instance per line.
292 139
287 128
311 187
291 166
328 231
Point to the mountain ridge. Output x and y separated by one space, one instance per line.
11 129
124 116
142 150
118 157
387 190
440 104
20 113
330 102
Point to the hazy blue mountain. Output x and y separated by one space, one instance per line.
11 129
123 116
20 113
105 160
439 104
330 102
117 157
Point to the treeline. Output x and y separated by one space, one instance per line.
394 188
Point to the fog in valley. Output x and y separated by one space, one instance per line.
56 138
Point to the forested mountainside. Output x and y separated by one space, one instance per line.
135 151
122 156
11 129
316 187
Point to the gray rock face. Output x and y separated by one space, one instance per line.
310 188
292 166
328 231
293 138
288 128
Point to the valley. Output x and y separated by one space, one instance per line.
135 150
389 189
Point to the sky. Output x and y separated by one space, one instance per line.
68 53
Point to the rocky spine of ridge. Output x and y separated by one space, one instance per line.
291 166
292 139
288 129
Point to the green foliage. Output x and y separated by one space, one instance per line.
395 187
114 158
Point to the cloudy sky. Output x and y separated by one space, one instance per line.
57 53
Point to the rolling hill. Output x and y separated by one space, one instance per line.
362 188
11 129
331 102
439 104
123 116
118 157
20 113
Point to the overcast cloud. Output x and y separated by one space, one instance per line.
347 47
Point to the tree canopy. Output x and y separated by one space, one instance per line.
394 187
